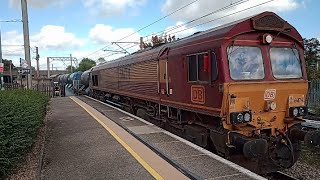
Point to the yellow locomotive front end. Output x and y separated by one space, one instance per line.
266 106
264 103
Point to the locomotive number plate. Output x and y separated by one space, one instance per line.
270 94
198 94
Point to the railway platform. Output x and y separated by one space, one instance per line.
87 139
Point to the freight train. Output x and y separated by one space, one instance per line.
239 90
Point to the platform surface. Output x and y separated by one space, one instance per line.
79 147
198 163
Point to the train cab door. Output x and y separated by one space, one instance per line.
163 76
163 82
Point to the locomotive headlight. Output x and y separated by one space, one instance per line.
240 117
268 38
247 117
298 111
295 112
273 105
301 111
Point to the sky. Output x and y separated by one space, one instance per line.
87 28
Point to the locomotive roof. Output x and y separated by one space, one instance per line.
268 21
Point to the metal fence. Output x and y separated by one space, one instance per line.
10 86
46 89
314 94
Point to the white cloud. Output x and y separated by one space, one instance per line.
39 3
12 43
106 55
55 37
111 7
204 7
180 30
102 34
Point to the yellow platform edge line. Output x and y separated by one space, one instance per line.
153 172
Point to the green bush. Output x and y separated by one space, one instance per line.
21 115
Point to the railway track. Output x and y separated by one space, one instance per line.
279 176
272 176
311 124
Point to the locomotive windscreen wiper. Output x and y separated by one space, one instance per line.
295 55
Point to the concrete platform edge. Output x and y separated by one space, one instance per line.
172 162
156 150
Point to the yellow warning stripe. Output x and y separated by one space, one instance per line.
153 172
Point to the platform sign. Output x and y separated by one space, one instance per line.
24 71
24 64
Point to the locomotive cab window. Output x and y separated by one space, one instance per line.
201 66
245 63
285 63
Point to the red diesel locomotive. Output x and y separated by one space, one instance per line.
239 90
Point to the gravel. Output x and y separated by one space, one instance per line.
303 171
307 167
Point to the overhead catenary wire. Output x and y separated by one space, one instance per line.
206 15
239 11
232 4
13 20
148 25
11 45
227 15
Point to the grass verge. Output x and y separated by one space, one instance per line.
21 115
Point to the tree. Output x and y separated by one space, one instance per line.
69 69
101 60
7 63
86 64
312 57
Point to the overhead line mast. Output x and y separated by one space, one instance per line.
24 10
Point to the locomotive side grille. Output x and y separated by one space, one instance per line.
269 22
138 78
